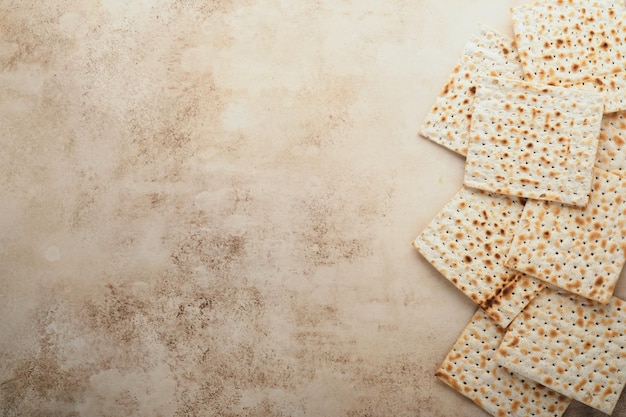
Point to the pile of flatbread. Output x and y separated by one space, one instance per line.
536 236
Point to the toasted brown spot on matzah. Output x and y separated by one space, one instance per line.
469 368
467 243
516 164
584 249
585 356
448 121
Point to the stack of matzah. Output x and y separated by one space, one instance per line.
536 236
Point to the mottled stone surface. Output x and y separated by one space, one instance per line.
207 207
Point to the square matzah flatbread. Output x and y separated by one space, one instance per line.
569 40
581 250
572 345
467 243
533 140
487 52
470 369
612 145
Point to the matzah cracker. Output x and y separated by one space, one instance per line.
470 369
467 243
572 345
569 40
612 145
487 52
581 250
533 140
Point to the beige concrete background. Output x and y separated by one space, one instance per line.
207 207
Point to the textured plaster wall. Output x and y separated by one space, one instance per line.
206 207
